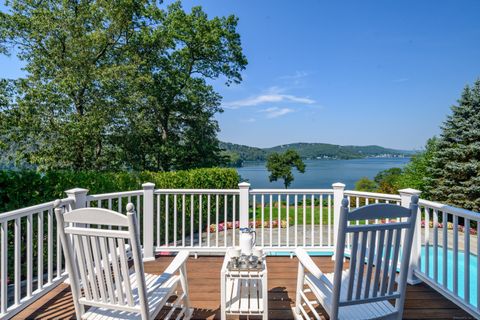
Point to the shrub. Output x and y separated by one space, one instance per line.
19 189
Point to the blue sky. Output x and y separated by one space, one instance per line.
344 72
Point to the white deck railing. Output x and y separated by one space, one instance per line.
451 253
31 258
207 221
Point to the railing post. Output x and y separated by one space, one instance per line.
406 196
148 252
338 194
79 197
244 203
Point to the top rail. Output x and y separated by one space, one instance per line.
197 191
291 191
374 195
114 194
19 213
450 209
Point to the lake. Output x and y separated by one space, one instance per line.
321 174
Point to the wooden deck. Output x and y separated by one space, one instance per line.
422 302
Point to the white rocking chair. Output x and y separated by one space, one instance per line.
96 261
364 289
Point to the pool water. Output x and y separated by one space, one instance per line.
461 269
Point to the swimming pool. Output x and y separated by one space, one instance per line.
461 269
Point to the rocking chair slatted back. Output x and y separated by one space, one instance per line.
99 260
374 253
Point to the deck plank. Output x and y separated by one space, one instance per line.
422 302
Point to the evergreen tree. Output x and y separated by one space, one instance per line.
455 170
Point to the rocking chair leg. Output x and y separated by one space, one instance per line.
186 299
300 285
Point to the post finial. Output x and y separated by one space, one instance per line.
57 203
415 199
130 208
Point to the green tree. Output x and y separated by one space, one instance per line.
75 63
112 85
416 173
387 180
365 184
455 170
176 119
280 166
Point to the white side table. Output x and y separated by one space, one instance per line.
244 292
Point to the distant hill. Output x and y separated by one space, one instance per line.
239 153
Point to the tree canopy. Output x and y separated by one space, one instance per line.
280 166
115 85
455 169
365 184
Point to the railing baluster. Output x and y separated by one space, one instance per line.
271 221
427 241
208 219
50 246
254 212
263 220
140 218
175 213
478 265
166 220
4 268
225 220
183 220
435 245
455 254
357 204
279 223
329 220
312 213
304 220
466 263
366 203
29 245
321 220
159 221
17 262
192 214
59 255
287 213
233 219
40 251
445 249
296 220
216 220
200 217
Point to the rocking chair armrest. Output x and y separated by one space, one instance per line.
177 262
308 263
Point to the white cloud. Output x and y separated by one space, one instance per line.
249 120
400 80
275 112
272 97
296 76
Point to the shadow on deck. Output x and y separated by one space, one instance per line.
422 302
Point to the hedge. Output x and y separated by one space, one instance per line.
19 189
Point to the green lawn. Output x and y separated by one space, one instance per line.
291 214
